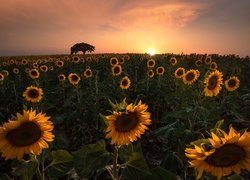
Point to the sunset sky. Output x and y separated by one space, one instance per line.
120 26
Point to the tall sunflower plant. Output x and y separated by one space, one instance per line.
125 126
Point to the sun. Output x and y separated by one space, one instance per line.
151 52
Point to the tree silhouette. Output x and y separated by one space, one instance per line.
84 47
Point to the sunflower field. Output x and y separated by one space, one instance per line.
125 116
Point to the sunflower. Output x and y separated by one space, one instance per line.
24 62
89 59
116 70
74 78
160 71
113 61
59 63
1 77
75 59
33 94
27 70
213 66
121 61
179 73
126 57
29 133
173 61
222 155
232 83
88 73
125 127
15 70
87 67
44 68
150 73
208 60
213 83
34 74
198 63
66 58
125 83
151 63
61 77
35 65
190 77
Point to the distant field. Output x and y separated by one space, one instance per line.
76 90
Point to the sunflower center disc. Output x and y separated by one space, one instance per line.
179 73
24 135
116 70
126 122
33 73
225 156
231 83
125 82
212 83
33 93
74 78
190 76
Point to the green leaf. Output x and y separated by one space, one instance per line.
24 169
233 177
61 156
160 174
91 158
136 167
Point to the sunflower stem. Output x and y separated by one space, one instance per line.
115 170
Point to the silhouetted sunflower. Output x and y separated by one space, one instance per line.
113 61
213 83
33 94
29 133
160 71
125 83
151 63
232 83
225 154
126 127
179 73
88 73
173 61
150 73
116 70
34 74
74 78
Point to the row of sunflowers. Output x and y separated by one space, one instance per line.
56 123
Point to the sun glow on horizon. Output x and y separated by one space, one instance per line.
151 52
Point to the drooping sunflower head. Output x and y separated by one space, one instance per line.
44 68
74 78
232 83
126 127
116 70
208 60
59 63
213 66
15 70
179 73
61 77
213 83
125 83
150 73
173 61
160 71
198 63
151 63
190 77
88 73
224 153
33 94
29 133
113 61
34 74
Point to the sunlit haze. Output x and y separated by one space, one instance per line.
121 26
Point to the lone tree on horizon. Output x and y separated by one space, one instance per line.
84 47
